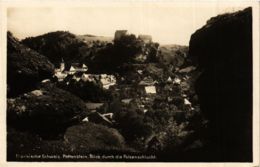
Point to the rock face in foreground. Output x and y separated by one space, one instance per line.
25 67
46 111
223 50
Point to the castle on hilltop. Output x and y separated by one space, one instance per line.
120 33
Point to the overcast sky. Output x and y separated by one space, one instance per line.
168 24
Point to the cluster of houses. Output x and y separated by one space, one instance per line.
147 86
144 101
78 72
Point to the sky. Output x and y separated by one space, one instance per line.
166 23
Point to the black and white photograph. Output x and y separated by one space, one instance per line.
130 82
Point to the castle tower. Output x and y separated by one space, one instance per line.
119 34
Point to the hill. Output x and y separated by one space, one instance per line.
59 45
95 51
92 38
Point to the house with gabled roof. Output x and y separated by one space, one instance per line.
77 67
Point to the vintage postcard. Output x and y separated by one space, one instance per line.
129 83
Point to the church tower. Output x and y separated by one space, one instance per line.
62 65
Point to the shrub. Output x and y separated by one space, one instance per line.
88 137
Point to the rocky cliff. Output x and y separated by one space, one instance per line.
223 50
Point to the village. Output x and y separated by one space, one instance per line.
130 88
148 87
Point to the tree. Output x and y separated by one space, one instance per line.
131 123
